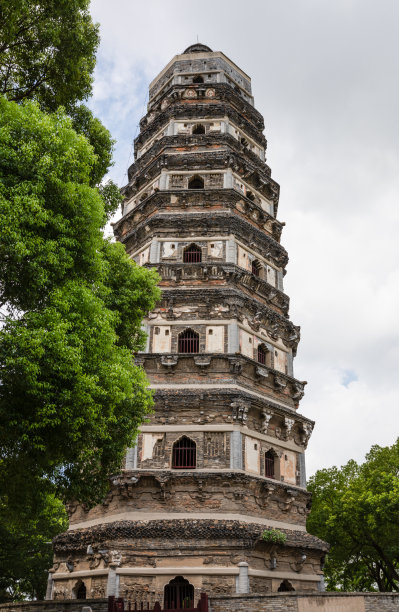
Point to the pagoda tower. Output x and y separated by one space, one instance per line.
213 496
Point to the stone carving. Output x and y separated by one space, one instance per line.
280 382
203 362
288 424
298 391
307 432
266 416
210 93
190 93
115 558
169 361
240 412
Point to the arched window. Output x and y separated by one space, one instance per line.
269 464
179 593
198 79
184 454
80 590
262 354
192 254
188 341
285 586
256 267
196 182
199 129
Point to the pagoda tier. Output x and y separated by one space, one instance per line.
213 496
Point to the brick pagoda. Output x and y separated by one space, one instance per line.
221 461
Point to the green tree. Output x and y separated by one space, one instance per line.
47 51
26 552
355 509
71 398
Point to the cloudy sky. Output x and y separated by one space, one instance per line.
325 76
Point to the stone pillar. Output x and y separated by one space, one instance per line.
231 251
131 458
243 579
302 470
154 251
50 583
233 338
163 181
280 284
228 179
112 583
235 450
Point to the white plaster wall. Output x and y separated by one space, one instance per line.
215 249
271 275
246 344
144 256
169 249
252 460
243 259
215 339
288 467
148 443
280 360
161 342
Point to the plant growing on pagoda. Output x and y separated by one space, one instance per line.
275 536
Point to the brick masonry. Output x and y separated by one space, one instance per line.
287 602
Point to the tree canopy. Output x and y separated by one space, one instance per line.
47 51
71 397
355 509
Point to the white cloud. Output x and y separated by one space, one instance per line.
325 78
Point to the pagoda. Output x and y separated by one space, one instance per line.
213 496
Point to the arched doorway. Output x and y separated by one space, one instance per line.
79 590
179 593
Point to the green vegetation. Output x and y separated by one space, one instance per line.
274 535
355 509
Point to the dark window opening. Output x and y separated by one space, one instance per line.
269 464
250 196
188 342
196 182
285 586
80 590
262 354
179 593
184 454
198 79
256 267
244 142
192 254
199 129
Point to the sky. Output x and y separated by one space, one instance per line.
325 76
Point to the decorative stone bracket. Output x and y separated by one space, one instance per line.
240 411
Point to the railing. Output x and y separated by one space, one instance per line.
117 604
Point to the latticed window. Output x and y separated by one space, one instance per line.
179 593
256 267
262 352
184 454
188 342
192 254
269 464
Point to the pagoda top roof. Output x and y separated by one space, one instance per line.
198 48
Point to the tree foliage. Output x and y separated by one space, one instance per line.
355 509
71 397
47 51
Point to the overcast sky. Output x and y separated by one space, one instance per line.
325 76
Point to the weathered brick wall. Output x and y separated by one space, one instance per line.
63 605
295 602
